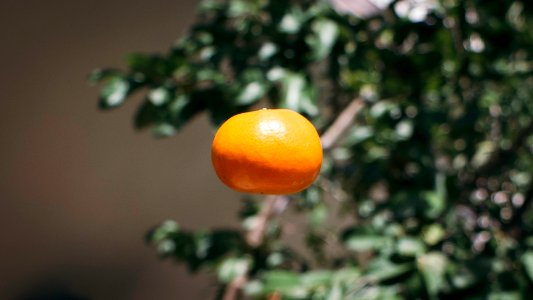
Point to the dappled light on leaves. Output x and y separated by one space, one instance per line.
425 190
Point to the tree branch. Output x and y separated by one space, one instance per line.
233 288
341 124
272 205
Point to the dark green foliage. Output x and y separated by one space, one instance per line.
428 194
197 249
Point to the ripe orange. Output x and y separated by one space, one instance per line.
269 151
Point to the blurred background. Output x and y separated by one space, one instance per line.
79 188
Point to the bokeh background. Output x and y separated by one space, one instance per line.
79 188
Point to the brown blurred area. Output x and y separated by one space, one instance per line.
79 188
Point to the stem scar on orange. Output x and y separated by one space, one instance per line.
269 151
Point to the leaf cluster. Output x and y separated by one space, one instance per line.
427 195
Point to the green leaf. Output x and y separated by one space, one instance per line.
162 231
297 94
209 5
404 130
527 261
254 288
435 201
508 295
433 266
159 96
463 278
212 246
292 21
483 153
318 215
178 111
335 293
267 50
114 92
521 179
152 66
219 111
435 204
284 282
346 275
146 115
361 242
275 259
233 267
377 293
316 278
323 37
251 93
293 90
433 234
209 75
163 130
383 107
167 119
103 74
358 134
182 109
171 241
381 269
410 246
238 8
281 278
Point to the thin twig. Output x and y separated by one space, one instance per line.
233 288
341 124
272 205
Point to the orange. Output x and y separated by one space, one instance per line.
269 151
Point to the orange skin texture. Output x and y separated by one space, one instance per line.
269 151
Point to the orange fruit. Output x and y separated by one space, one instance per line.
269 151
